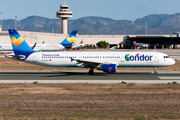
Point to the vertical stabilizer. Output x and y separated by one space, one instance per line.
70 39
19 45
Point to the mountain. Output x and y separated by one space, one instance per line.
157 24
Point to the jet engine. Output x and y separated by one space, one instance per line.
111 68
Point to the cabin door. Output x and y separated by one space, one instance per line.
80 56
156 58
122 59
34 58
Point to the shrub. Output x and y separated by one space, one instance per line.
35 82
102 44
124 82
174 82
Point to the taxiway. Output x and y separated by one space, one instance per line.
83 77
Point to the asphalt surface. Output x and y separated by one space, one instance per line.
83 77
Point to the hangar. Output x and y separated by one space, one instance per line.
155 42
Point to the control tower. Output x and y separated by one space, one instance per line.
64 13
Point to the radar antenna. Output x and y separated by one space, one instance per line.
64 2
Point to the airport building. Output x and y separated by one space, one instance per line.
120 41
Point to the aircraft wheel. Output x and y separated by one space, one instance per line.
91 72
155 73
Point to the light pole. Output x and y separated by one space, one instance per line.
1 20
125 29
52 29
146 27
31 37
57 28
15 22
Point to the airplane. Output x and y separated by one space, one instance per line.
81 44
107 61
113 48
67 43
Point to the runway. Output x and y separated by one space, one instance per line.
83 77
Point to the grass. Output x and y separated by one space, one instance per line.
89 101
130 84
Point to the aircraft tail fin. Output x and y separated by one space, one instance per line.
70 39
82 41
74 42
19 45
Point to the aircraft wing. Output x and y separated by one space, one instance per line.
68 47
88 63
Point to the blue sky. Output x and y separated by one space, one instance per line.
115 9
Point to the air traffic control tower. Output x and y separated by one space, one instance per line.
64 13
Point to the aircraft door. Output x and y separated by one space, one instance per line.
156 58
34 58
79 56
122 59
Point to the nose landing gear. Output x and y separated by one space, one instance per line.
155 72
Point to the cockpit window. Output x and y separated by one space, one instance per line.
166 57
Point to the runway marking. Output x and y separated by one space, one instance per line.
169 77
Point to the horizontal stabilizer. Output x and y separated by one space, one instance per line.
16 56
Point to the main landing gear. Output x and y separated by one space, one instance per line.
91 72
155 72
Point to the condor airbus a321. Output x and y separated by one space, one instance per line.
105 61
67 43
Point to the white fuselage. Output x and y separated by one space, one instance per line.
38 47
41 47
77 46
121 59
48 47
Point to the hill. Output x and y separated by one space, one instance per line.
157 24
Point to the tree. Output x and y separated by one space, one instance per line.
102 44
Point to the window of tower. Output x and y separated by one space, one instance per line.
64 13
64 7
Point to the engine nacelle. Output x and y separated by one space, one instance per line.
109 68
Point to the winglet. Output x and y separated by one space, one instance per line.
34 45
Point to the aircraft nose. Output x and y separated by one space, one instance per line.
173 61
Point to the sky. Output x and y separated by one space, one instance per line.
114 9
